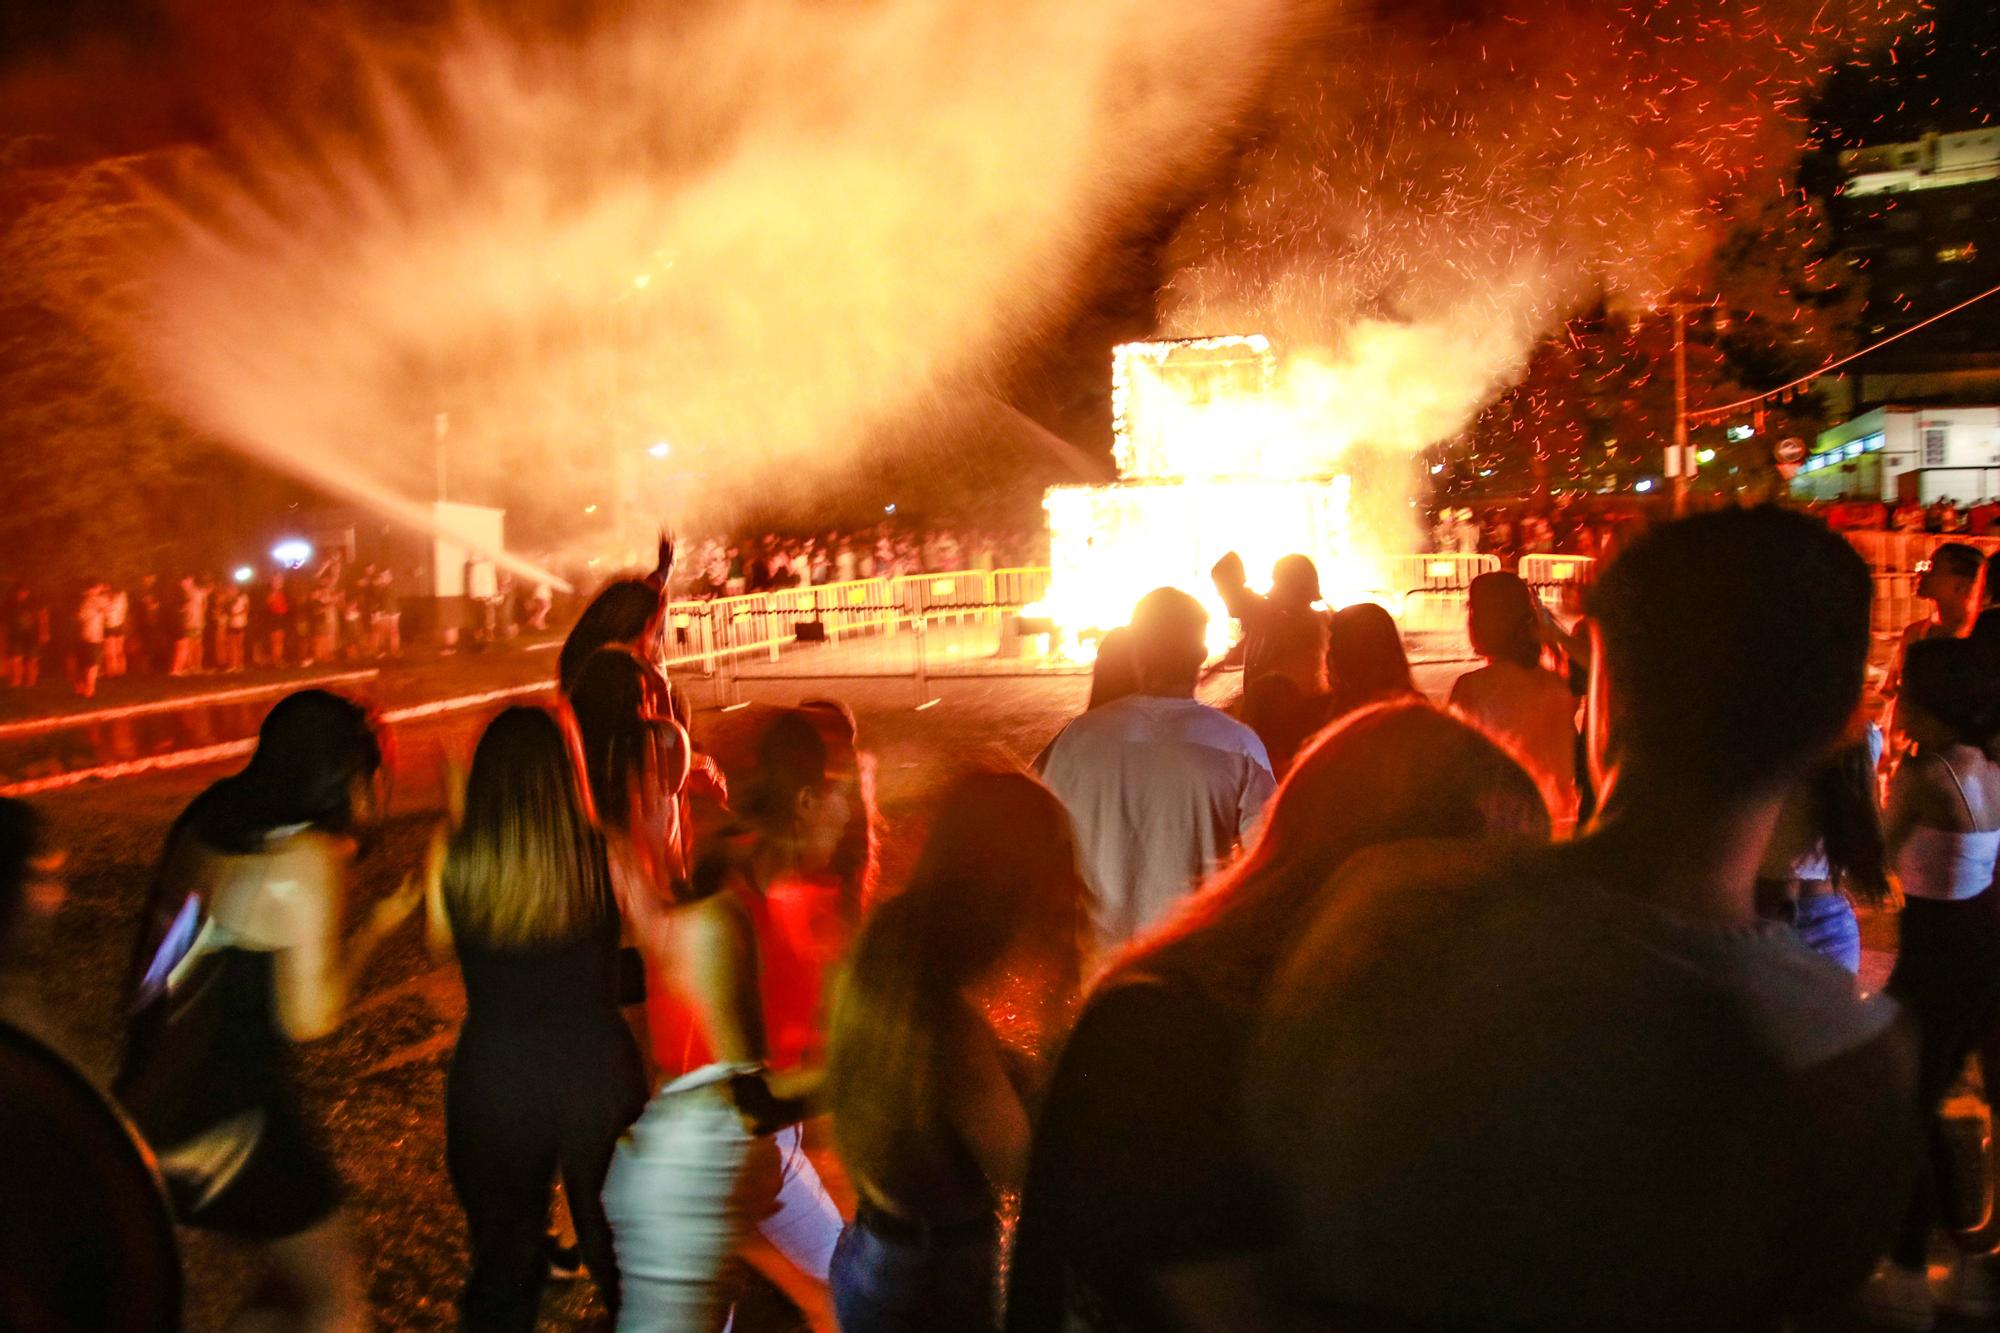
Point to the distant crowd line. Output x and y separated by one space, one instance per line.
201 624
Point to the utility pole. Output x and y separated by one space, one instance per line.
440 427
1680 466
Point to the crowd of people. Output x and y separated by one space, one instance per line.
1564 524
201 624
1331 1009
732 567
1945 515
1572 525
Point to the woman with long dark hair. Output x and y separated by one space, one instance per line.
629 613
1943 834
1141 1196
1365 661
1828 845
636 761
718 1152
243 953
626 613
1512 697
546 1075
928 1113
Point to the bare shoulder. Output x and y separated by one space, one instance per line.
718 921
311 856
285 895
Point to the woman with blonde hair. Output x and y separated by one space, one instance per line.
546 1075
929 1114
1141 1197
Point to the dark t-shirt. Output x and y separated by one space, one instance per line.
1138 1160
1515 1097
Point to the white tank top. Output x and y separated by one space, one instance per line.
1944 866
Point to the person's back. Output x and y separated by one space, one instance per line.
1161 790
1635 1117
539 1000
1641 1105
1534 712
545 1075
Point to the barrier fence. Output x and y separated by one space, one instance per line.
969 622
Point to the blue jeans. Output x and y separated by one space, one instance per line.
1826 924
884 1285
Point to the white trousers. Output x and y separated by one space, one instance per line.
687 1186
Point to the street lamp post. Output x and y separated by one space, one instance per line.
440 427
1680 466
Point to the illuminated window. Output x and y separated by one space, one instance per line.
1934 442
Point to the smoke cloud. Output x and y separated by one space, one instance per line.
757 232
776 234
1429 196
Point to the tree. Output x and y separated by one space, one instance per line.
103 480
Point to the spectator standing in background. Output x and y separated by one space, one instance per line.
117 620
235 600
90 639
1512 697
1949 581
193 619
151 648
1161 787
27 637
277 608
1365 661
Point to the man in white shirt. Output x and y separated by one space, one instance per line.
90 614
1162 789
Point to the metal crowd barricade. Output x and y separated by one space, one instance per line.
1428 591
1558 579
1021 586
962 622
